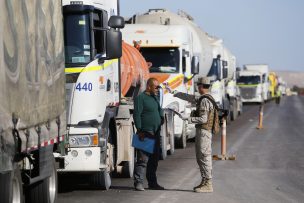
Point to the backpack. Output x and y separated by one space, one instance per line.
214 124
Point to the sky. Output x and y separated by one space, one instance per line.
256 31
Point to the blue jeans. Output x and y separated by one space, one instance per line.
148 163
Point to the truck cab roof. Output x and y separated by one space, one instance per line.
249 73
156 35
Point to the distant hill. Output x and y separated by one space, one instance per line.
292 78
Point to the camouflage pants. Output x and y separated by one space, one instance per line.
203 152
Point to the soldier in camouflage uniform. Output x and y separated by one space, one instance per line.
203 138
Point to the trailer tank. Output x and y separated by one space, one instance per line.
216 61
201 40
134 69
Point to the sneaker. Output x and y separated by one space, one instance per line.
207 187
139 187
156 187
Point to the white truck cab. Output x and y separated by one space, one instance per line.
251 86
93 45
168 50
264 70
234 96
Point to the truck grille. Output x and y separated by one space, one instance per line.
248 92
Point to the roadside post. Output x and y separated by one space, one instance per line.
223 155
261 114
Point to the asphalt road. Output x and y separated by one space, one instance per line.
269 165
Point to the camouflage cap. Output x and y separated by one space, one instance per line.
203 81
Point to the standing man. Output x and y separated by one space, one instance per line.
148 118
203 118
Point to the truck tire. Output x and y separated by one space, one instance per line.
128 166
171 135
44 191
181 142
11 189
163 141
102 180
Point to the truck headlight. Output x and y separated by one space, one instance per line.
83 140
79 140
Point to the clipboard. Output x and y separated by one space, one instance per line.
146 145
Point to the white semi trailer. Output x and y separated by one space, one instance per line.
168 49
264 70
100 126
215 60
32 104
225 90
232 90
251 86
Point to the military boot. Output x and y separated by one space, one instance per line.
200 185
207 187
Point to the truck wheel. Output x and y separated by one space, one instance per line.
44 191
102 180
181 142
11 189
171 134
163 141
128 166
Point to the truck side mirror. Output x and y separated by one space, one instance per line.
225 73
195 65
237 73
116 22
114 44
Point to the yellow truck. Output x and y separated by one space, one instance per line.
273 84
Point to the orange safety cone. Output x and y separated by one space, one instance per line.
223 155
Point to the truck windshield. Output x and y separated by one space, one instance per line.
249 80
215 69
77 38
163 60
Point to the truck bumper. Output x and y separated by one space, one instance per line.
253 100
86 159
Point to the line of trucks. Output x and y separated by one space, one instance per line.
68 79
258 85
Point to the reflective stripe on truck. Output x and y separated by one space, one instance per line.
90 68
46 143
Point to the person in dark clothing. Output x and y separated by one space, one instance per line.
148 118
